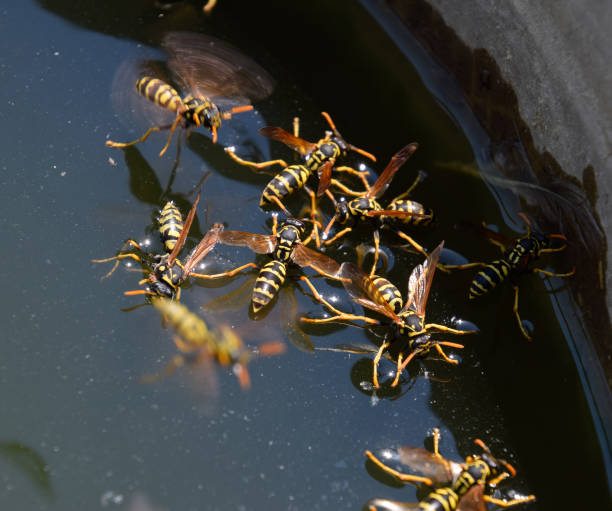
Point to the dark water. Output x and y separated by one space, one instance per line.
79 431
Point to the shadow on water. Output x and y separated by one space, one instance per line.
523 397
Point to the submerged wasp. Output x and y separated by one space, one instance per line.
461 485
366 209
319 157
166 272
379 295
200 66
285 245
197 343
516 258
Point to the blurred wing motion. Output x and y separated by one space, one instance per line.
362 290
393 166
210 67
280 135
420 281
258 243
304 256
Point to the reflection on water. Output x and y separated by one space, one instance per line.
296 439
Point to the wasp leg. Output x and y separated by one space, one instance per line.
516 313
436 440
230 273
402 477
443 328
314 217
344 189
120 256
170 135
376 361
419 248
508 503
252 164
376 252
209 6
361 174
317 296
495 481
110 143
176 362
418 179
281 206
337 236
551 274
398 371
461 266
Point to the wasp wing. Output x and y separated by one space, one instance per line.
210 67
258 243
304 256
362 290
280 135
420 281
436 468
473 500
181 240
325 177
392 167
207 243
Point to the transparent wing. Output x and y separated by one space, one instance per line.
420 281
392 167
473 500
258 243
362 290
434 467
304 256
280 135
207 243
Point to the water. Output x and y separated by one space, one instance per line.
79 431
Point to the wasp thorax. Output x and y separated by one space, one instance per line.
412 323
329 150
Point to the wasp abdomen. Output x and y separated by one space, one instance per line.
268 283
411 207
487 279
170 226
160 93
389 292
442 499
292 178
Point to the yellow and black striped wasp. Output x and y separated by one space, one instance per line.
319 157
166 272
380 295
461 486
366 209
197 343
285 245
517 255
202 67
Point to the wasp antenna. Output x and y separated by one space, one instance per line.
362 152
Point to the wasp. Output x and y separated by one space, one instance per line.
517 255
167 272
319 158
285 245
461 485
202 67
367 210
195 340
379 295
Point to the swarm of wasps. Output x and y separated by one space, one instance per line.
203 83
